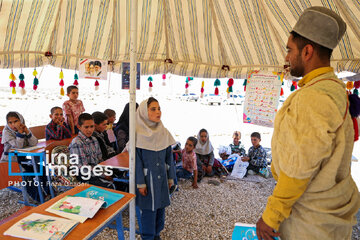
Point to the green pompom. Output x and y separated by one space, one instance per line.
292 88
36 81
21 76
245 82
230 89
76 76
356 91
217 83
150 79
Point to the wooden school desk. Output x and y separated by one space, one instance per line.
120 161
91 227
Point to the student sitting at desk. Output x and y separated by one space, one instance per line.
88 152
17 135
100 134
57 129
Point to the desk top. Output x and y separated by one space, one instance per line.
120 161
82 230
42 145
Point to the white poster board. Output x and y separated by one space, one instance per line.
262 98
92 69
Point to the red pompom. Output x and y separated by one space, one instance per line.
230 82
96 83
22 84
61 83
186 85
202 90
12 84
357 84
150 84
281 92
34 87
245 88
216 91
76 82
164 76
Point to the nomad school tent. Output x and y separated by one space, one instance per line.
200 38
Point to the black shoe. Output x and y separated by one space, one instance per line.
157 238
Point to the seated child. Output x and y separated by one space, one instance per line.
17 135
256 157
73 108
189 162
88 151
111 116
100 134
236 146
204 154
57 129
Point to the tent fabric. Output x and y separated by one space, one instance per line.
200 37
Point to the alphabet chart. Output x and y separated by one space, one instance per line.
262 98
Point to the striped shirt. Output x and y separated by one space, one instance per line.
57 132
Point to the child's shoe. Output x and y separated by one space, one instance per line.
264 172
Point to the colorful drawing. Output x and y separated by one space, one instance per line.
37 225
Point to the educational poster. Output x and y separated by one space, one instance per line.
262 98
92 69
126 76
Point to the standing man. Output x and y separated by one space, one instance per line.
315 196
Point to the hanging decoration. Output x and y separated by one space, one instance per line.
282 92
76 77
36 81
356 86
349 85
293 86
216 84
150 79
164 77
202 89
230 88
96 85
22 83
61 83
187 85
244 84
12 82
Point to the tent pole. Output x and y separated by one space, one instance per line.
133 58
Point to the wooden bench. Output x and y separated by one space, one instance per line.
38 131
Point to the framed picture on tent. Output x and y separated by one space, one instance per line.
262 98
126 76
92 69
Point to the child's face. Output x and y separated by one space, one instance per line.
73 95
154 112
203 137
189 146
223 156
236 140
101 127
255 141
14 123
111 119
57 116
87 128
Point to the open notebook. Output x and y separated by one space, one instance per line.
244 231
41 227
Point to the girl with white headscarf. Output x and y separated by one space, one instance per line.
154 167
204 154
16 134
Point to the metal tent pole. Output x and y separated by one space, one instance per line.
133 57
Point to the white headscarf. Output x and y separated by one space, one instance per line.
151 135
203 148
7 132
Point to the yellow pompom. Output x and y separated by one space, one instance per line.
12 76
62 93
227 90
35 73
349 85
61 75
202 84
13 91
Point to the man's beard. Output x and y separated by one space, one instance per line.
298 70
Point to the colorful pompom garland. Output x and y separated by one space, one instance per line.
216 84
12 82
36 81
150 79
61 83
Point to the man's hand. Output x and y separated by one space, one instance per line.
143 191
263 231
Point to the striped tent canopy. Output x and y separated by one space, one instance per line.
201 38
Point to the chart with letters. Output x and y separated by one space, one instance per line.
262 98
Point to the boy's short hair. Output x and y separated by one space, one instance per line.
99 117
52 110
70 88
84 117
237 134
193 140
109 112
256 134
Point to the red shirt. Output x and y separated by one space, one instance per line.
189 160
